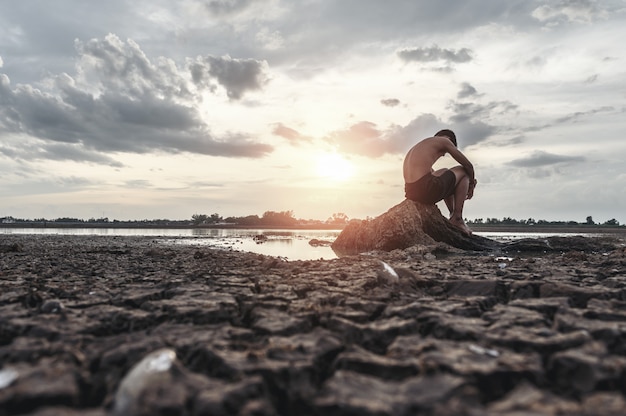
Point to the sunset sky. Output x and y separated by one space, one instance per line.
164 109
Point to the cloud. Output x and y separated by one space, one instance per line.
293 136
473 119
540 158
227 7
122 101
435 54
574 117
470 121
580 11
365 139
390 102
236 75
467 91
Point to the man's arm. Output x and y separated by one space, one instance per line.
460 157
467 165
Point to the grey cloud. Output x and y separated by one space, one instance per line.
121 101
227 7
473 132
435 54
390 102
467 111
236 75
467 91
540 159
473 120
574 117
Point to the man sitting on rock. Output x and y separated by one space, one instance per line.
454 186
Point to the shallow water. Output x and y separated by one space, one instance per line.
288 244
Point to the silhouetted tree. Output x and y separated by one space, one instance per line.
338 218
198 219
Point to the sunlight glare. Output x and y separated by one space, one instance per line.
333 166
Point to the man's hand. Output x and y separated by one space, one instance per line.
470 190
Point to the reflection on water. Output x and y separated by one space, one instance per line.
289 244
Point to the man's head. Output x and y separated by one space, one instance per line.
449 134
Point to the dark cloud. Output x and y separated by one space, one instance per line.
473 119
390 102
236 75
541 159
436 54
121 101
293 136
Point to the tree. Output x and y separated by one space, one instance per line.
338 218
214 218
612 221
284 218
590 221
198 219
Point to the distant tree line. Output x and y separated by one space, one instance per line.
269 218
281 219
531 221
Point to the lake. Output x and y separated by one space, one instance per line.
288 244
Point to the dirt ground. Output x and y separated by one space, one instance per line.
135 326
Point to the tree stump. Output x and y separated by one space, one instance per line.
404 225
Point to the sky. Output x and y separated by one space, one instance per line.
157 109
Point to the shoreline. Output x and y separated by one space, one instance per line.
583 229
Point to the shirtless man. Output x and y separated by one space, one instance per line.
454 186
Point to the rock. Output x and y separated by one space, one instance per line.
404 225
320 243
131 393
52 306
348 393
581 370
364 362
47 383
526 399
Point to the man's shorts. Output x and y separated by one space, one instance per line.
430 189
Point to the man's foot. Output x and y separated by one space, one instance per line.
460 224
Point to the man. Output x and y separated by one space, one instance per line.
454 186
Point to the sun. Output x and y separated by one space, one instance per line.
333 166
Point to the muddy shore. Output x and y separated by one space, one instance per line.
427 330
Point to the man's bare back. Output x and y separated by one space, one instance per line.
420 178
